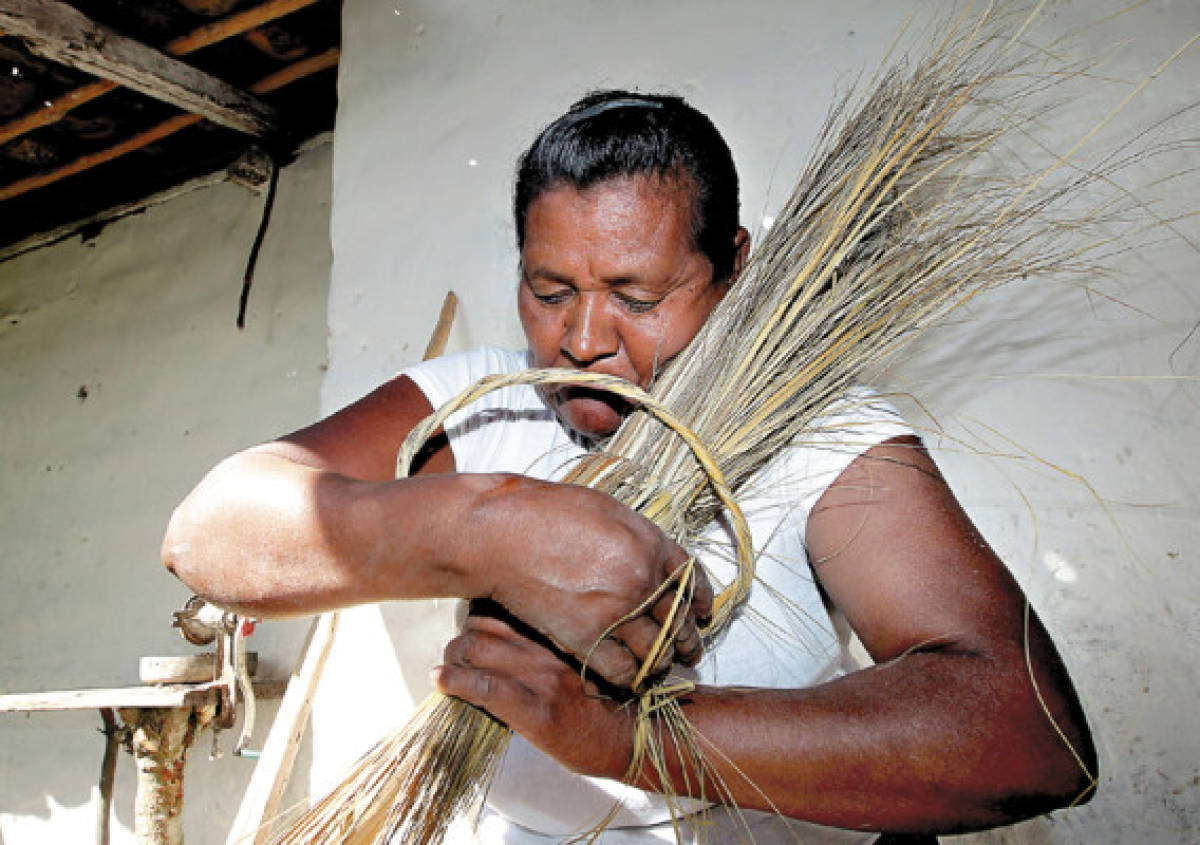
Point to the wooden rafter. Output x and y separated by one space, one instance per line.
297 70
197 39
56 110
291 73
234 24
58 32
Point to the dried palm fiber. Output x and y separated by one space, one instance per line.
899 218
456 746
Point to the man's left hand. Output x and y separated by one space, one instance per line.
532 690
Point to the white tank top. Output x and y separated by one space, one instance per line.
782 637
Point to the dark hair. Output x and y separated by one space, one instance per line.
609 134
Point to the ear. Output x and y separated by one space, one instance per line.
741 242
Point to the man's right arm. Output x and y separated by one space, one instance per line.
270 536
316 520
300 525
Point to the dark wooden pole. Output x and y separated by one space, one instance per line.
108 771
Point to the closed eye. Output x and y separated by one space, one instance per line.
552 298
637 306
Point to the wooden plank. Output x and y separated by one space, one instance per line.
269 689
162 130
186 669
58 32
116 212
197 39
158 695
174 695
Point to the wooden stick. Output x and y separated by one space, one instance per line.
441 331
162 130
297 70
235 24
196 39
261 801
135 142
108 772
57 109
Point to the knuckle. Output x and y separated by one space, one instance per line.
623 678
615 665
468 650
486 685
452 653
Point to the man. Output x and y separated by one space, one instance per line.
626 217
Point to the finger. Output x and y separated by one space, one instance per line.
702 591
641 635
491 644
486 624
502 696
638 637
688 645
702 595
686 636
613 661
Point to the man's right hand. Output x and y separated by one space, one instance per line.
571 562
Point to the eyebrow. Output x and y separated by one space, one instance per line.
542 273
621 281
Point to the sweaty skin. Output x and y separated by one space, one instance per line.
315 521
946 733
611 283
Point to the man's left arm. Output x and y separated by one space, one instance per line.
967 720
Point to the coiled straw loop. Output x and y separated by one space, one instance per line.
728 598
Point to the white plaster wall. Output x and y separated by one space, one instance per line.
438 97
143 316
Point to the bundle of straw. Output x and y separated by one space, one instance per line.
898 220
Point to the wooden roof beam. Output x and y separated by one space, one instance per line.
197 39
58 32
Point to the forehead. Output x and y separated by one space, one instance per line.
636 218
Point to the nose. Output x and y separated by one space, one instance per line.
590 334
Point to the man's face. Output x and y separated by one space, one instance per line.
611 283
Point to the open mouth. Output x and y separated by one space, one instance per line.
572 392
592 412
